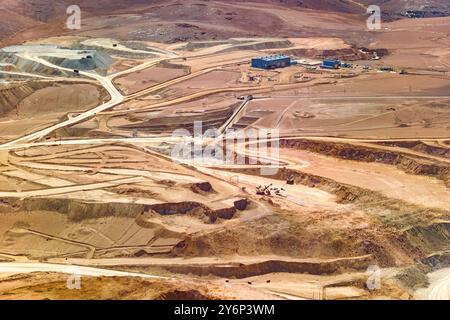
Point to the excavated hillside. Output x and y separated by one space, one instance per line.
421 147
29 97
17 64
92 61
12 94
409 163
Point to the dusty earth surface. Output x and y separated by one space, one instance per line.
90 178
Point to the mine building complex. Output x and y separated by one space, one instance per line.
271 62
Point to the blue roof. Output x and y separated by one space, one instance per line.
326 66
274 57
331 61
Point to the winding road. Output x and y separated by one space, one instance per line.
116 98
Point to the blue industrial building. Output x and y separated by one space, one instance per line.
271 62
331 64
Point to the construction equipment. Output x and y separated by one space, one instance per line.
263 191
290 180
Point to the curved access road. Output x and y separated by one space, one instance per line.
116 98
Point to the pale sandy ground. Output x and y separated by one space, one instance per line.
299 195
140 80
393 183
303 286
421 45
310 19
439 288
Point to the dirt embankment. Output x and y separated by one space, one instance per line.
18 64
438 260
210 119
200 210
169 65
240 270
31 97
421 147
79 210
407 163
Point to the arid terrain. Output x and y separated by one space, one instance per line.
359 167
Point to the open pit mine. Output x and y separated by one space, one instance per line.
248 150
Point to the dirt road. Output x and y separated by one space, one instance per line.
28 267
116 98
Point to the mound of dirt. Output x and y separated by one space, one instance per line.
421 147
61 98
91 61
241 270
12 94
